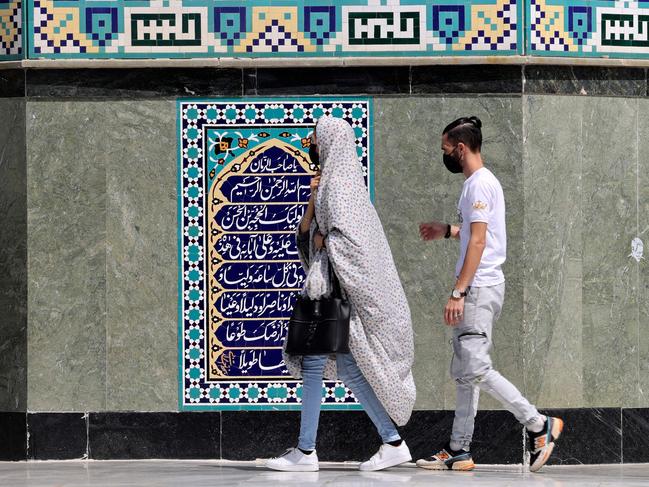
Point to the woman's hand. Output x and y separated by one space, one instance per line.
305 224
315 182
318 241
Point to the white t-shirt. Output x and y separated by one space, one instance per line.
482 200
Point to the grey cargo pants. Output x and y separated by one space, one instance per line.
471 367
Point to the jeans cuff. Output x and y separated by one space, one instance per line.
396 437
464 444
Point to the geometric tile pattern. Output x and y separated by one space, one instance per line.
588 28
243 187
323 28
261 28
11 26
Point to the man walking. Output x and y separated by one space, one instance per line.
476 302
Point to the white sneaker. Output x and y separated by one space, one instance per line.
387 456
293 460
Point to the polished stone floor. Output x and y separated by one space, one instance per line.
217 474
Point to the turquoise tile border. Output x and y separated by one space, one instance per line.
216 138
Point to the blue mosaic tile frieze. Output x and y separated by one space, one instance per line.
147 29
256 28
11 27
587 28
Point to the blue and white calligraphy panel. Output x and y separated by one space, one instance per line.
244 186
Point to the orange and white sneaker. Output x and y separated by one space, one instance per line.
448 459
542 443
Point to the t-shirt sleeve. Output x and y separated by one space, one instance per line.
480 200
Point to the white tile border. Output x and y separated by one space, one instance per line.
319 62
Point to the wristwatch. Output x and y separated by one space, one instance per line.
457 294
448 231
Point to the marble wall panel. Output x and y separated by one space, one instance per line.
610 275
642 234
66 182
139 152
13 256
552 263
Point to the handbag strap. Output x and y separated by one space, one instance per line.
333 278
335 282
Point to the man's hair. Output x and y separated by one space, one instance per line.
465 130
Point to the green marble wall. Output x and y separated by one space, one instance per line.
13 256
585 296
103 267
643 231
552 267
102 256
67 257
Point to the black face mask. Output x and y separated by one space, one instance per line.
313 154
452 163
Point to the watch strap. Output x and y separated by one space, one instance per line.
463 294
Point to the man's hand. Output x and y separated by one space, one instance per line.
454 311
318 240
432 230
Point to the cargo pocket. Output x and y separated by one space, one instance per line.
473 349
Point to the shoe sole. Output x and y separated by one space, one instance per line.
461 466
383 466
294 468
557 429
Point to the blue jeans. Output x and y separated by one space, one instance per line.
351 375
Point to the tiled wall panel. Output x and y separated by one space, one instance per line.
244 188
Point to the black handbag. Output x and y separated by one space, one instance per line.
320 326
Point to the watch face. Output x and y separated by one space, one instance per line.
456 294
